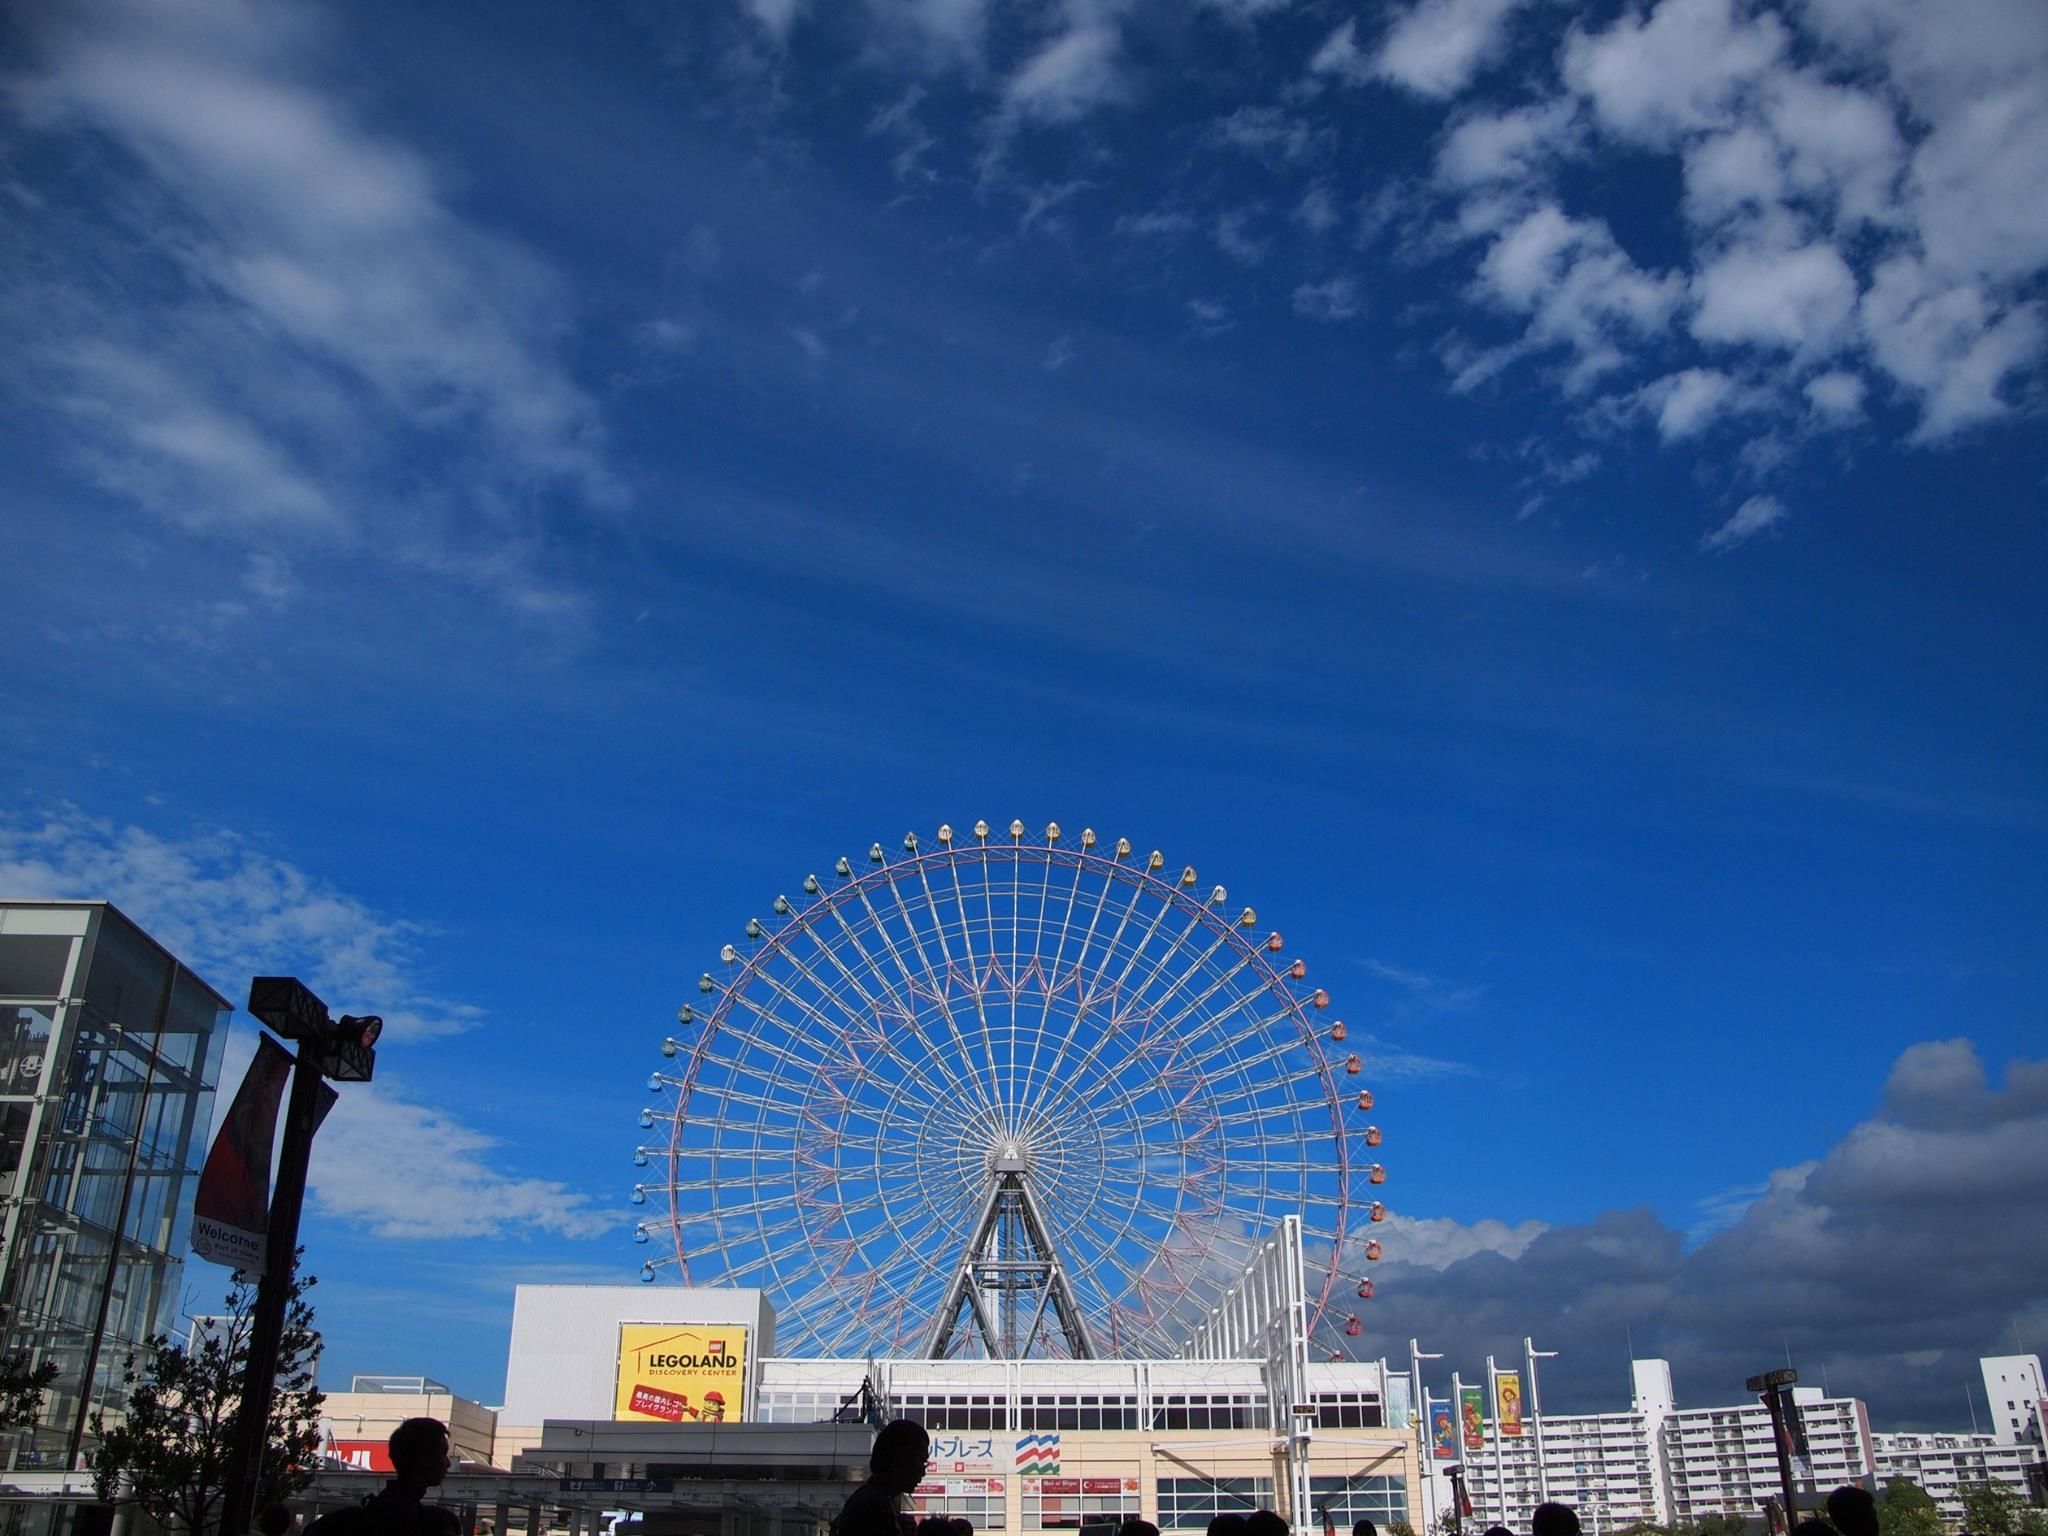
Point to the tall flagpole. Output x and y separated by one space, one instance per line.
1532 1354
1500 1475
1463 1451
1425 1469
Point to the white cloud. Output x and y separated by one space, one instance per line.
1977 187
1438 1242
1334 298
407 1170
231 911
1210 317
1503 147
1069 77
775 16
1840 143
1437 46
1750 519
1836 397
1681 68
1690 401
270 293
1154 226
1058 353
1578 287
1340 57
1269 132
1798 301
1235 239
1950 346
1317 210
1732 172
1245 11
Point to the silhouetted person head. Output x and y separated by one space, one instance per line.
1134 1526
274 1521
902 1452
1364 1528
934 1525
1263 1522
1229 1523
1813 1525
1554 1520
1852 1511
1498 1530
960 1525
419 1453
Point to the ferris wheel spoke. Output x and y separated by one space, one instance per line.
929 986
937 983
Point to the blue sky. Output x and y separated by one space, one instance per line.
1546 504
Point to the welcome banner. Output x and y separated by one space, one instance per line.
231 1211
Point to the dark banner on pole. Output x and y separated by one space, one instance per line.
231 1212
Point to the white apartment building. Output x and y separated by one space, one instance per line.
2012 1386
1724 1461
1674 1466
1945 1465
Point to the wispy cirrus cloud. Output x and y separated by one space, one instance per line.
230 910
253 303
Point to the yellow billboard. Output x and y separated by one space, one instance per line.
682 1373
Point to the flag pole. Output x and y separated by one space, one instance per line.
1532 1354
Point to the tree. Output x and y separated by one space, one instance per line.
1990 1510
21 1389
170 1444
1721 1525
1906 1509
1400 1528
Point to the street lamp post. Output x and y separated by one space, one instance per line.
1775 1388
343 1049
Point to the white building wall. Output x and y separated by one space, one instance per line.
1724 1461
2012 1385
1602 1464
1946 1465
565 1346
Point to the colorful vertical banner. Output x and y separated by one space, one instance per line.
1507 1403
231 1211
1472 1409
1443 1428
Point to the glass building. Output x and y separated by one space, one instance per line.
109 1051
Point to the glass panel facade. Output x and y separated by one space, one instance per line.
1190 1503
1068 1503
106 1092
1341 1502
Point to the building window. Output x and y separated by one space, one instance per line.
1190 1503
979 1499
1348 1410
1209 1410
1068 1503
1338 1503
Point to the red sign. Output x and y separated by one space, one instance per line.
1102 1485
658 1404
366 1455
1059 1485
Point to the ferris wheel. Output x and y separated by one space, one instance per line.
1007 1096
